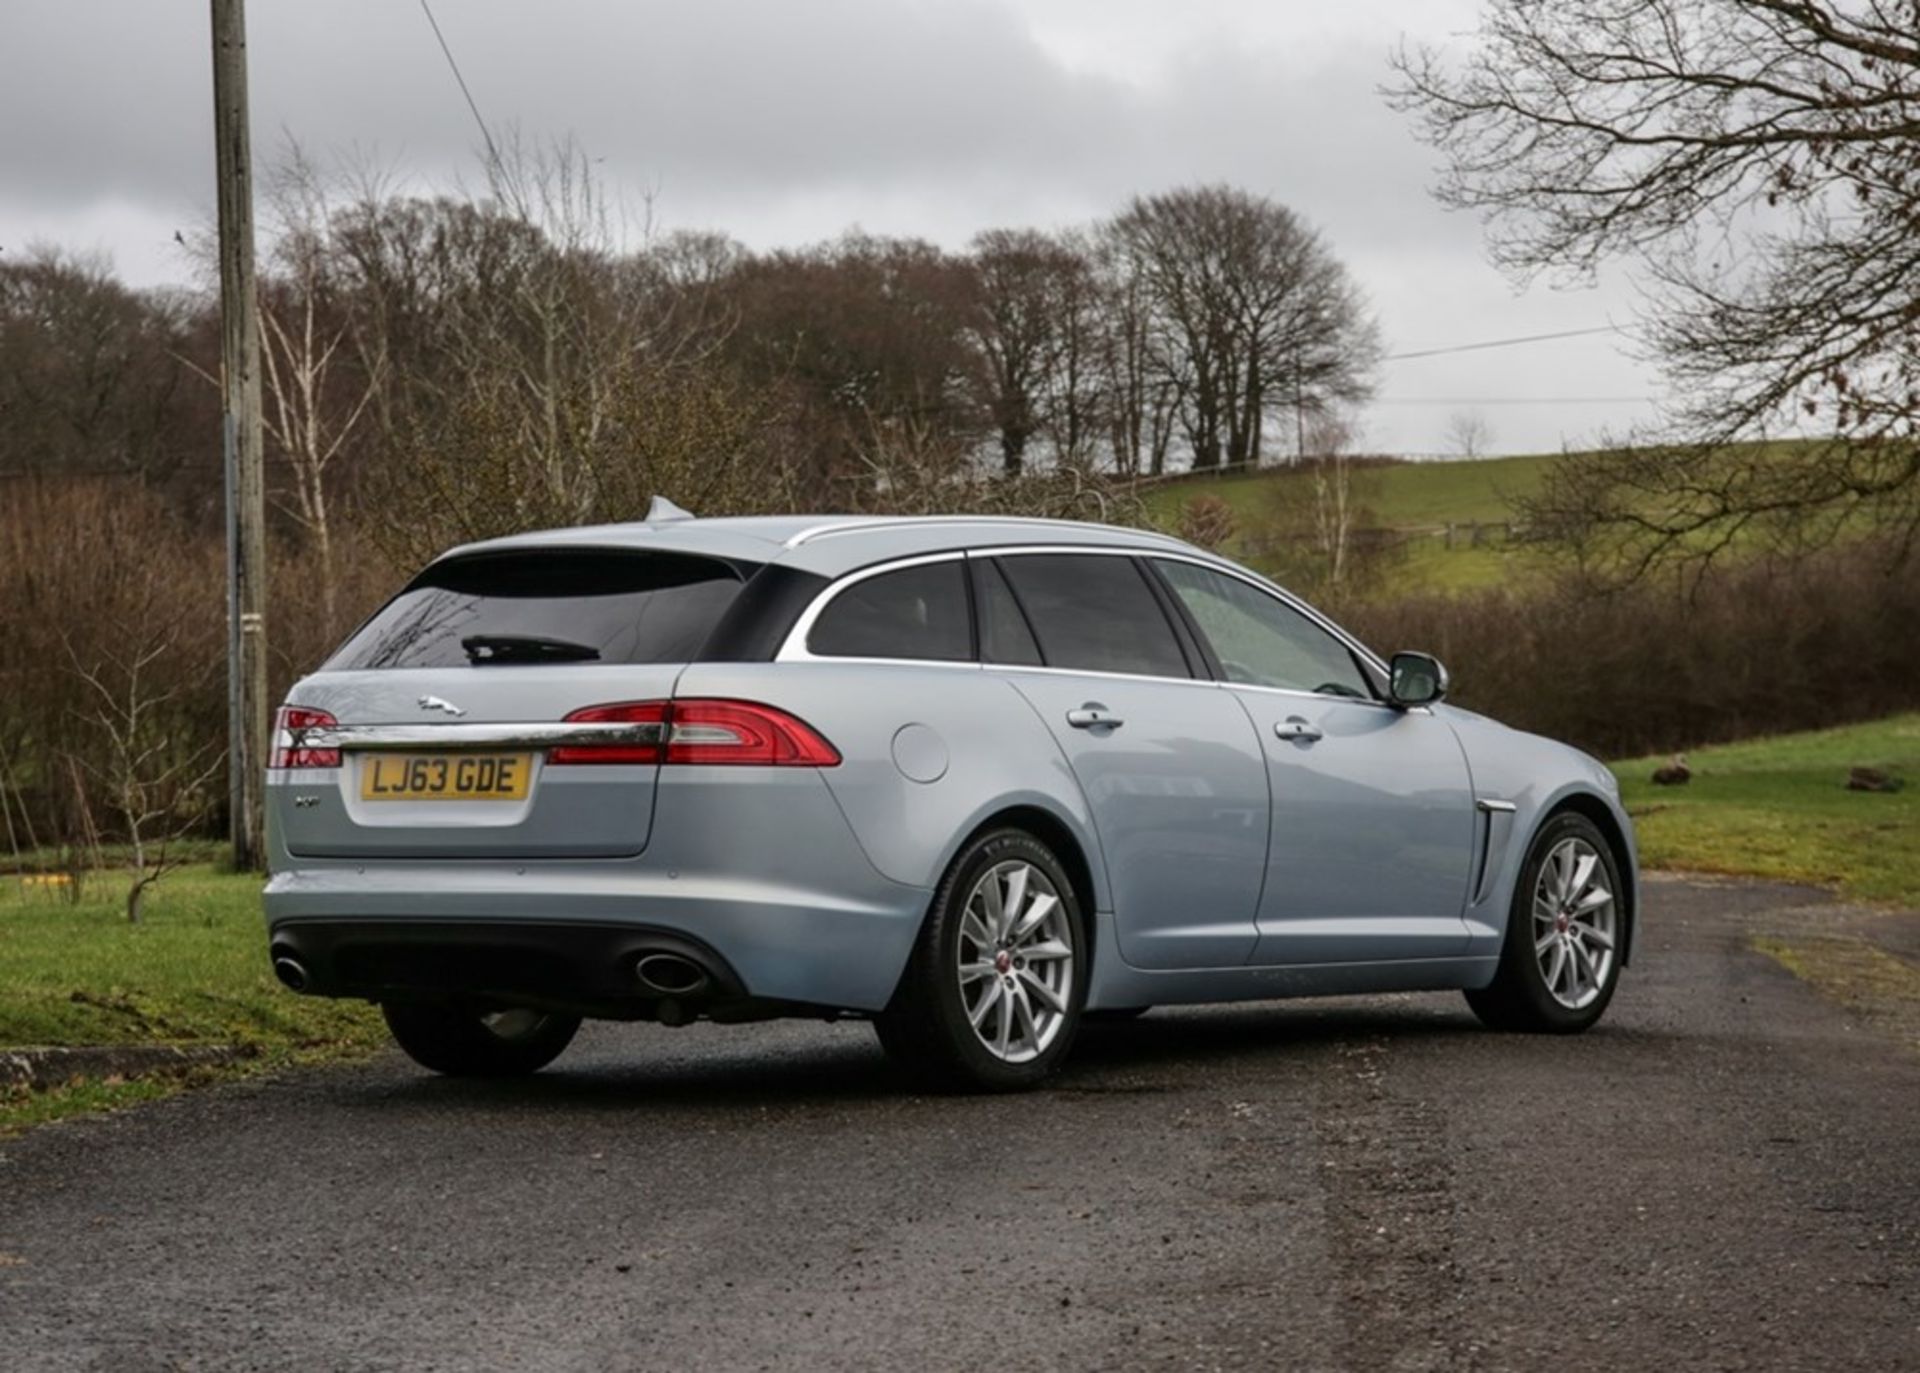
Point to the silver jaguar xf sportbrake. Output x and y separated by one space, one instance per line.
972 779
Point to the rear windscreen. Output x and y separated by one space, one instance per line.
548 606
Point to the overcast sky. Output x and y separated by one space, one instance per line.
787 121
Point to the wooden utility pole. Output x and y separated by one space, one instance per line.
241 432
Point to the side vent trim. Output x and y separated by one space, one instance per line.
1496 832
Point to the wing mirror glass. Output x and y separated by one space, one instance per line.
1416 679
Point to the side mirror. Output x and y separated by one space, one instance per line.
1416 679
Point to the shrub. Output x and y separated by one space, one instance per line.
1757 649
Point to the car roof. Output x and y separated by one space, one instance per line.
830 544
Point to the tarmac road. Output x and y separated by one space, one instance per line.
1725 1174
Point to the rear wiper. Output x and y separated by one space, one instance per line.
525 648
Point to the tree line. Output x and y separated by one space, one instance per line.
523 357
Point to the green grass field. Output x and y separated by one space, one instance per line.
1405 496
194 971
1779 808
1415 498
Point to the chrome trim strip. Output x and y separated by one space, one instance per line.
1486 803
1324 697
526 736
1116 676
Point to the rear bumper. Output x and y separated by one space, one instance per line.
769 882
777 943
557 965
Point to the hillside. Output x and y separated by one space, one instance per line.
1416 499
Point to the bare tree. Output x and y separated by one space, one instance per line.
859 329
1317 519
1019 321
1760 161
1139 392
314 404
156 783
1334 508
1251 312
1080 399
89 370
1468 434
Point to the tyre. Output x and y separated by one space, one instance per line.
1561 958
467 1043
991 996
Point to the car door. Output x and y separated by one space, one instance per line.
1372 813
1168 761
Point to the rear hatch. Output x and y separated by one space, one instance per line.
442 729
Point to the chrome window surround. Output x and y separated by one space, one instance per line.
794 649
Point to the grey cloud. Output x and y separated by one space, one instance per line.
724 102
781 121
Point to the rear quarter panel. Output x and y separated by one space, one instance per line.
929 753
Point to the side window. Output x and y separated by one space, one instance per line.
916 612
1260 640
1004 635
1095 614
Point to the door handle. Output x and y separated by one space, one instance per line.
1094 716
1297 729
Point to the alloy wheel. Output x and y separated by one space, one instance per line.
1016 961
1574 923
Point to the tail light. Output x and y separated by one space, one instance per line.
699 731
289 751
743 732
626 713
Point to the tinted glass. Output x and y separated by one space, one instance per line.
1261 640
1004 636
1095 614
548 606
917 612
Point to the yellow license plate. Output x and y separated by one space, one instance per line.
445 776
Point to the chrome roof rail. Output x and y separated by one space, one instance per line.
877 522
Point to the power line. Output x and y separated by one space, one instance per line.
493 153
1513 400
1489 343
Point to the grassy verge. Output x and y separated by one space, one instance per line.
194 971
1864 979
1779 808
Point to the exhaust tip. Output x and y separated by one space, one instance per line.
671 975
292 973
